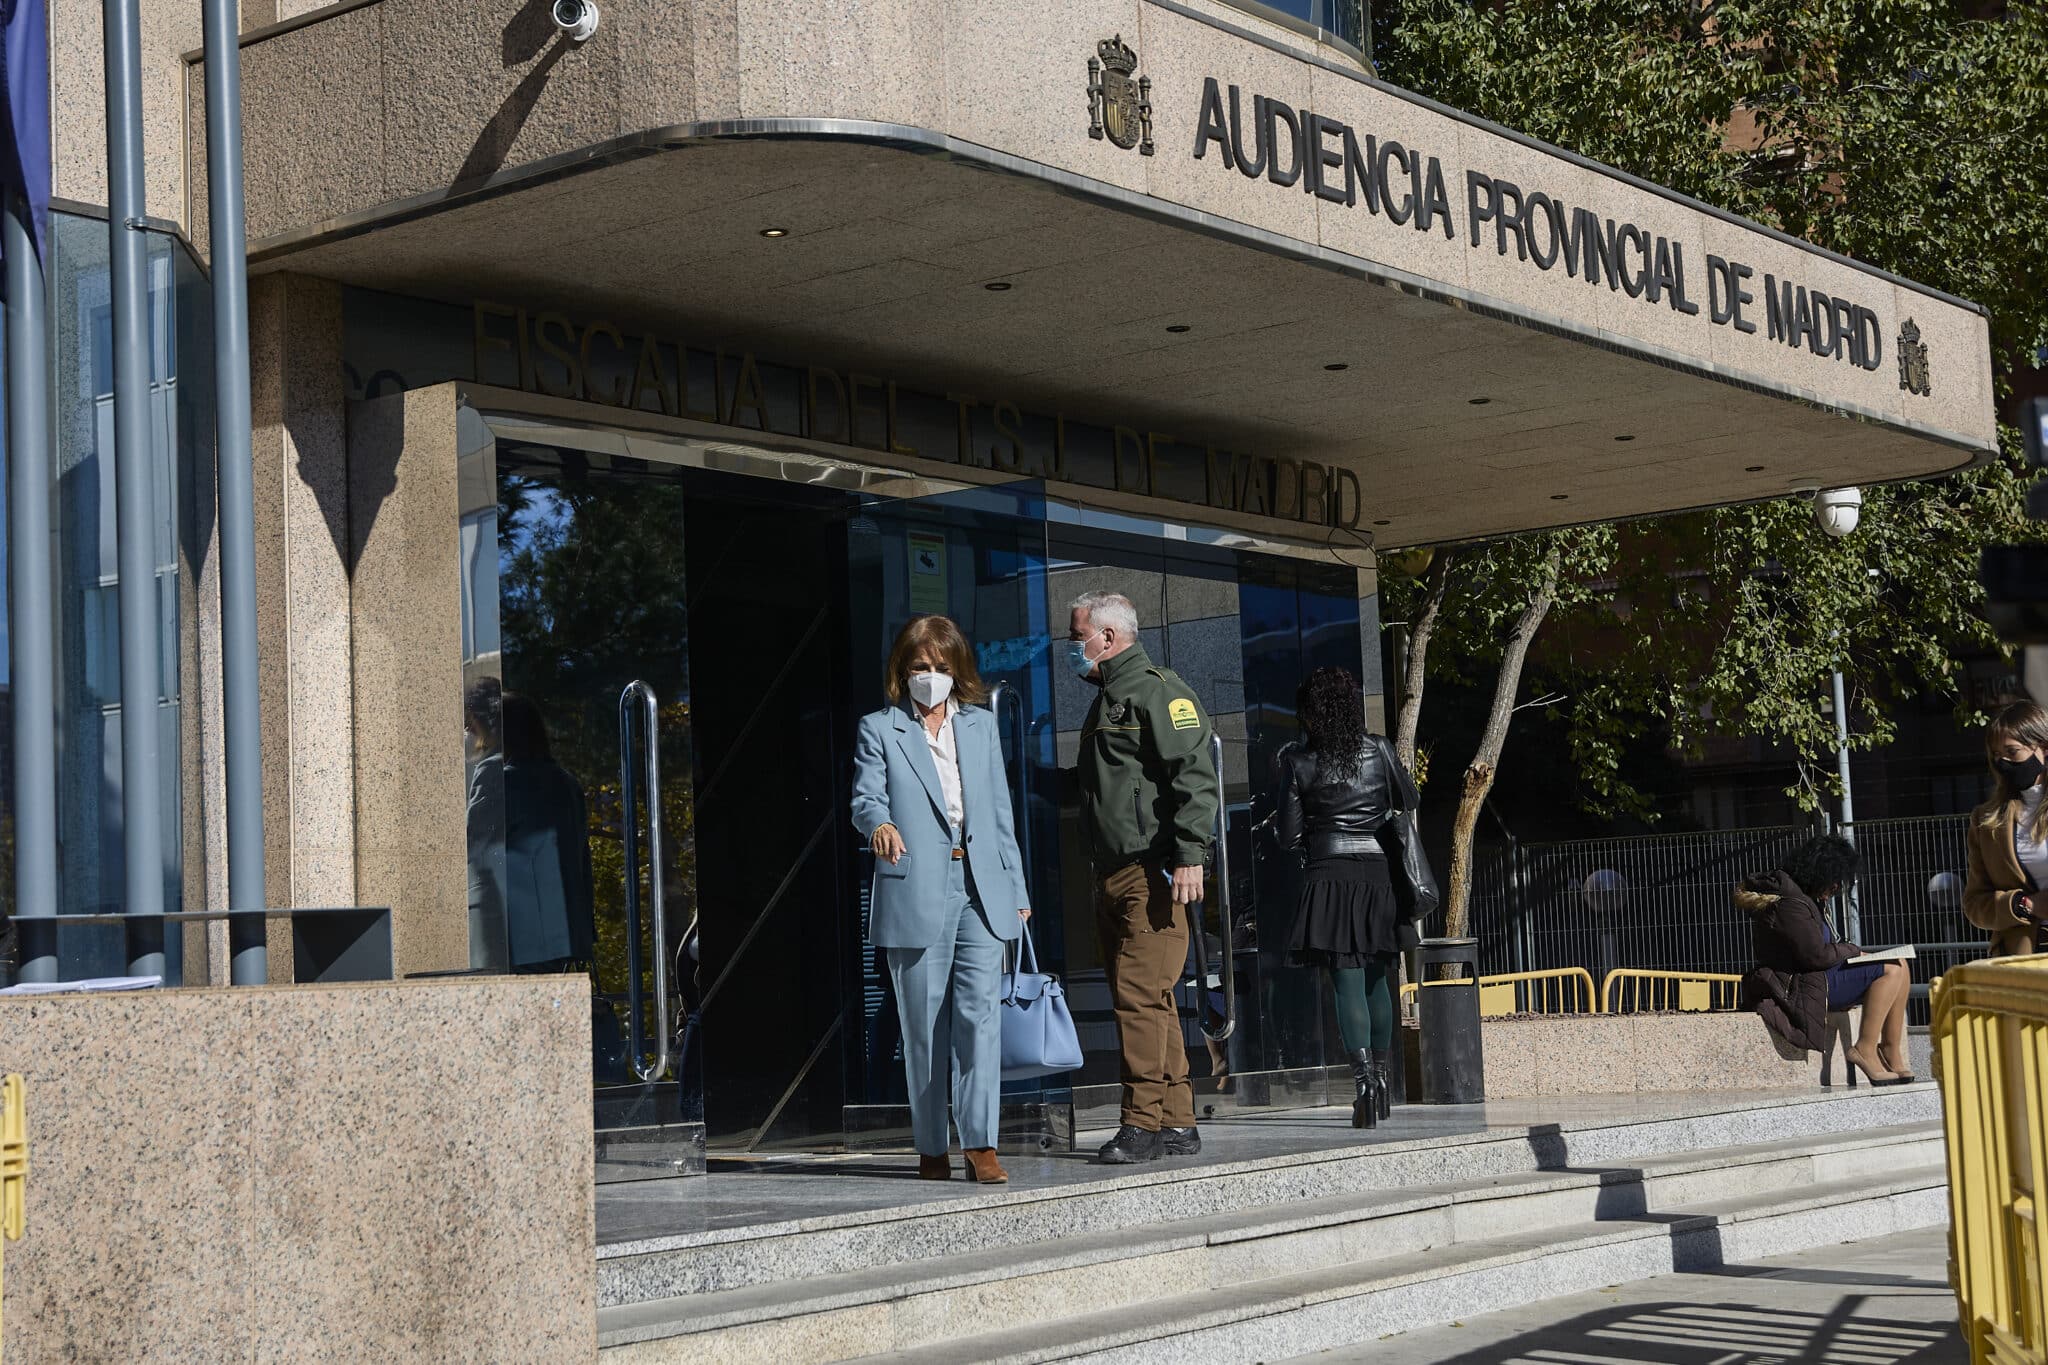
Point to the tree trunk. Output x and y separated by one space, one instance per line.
1485 763
1435 585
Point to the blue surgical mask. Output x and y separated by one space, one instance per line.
1078 660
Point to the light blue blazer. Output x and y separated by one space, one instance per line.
896 782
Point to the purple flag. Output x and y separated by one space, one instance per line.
25 111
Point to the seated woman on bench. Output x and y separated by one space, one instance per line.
1802 972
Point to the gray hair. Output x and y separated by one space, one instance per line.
1111 610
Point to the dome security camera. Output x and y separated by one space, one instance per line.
575 18
1837 510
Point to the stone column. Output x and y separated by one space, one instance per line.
202 771
302 608
405 515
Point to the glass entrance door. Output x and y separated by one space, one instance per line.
581 824
978 556
674 614
743 602
1242 628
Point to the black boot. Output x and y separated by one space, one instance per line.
1130 1146
1365 1112
1382 1064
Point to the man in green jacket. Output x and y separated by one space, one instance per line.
1149 797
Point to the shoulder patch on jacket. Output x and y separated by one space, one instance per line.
1183 714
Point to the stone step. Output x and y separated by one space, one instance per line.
985 1290
1315 1310
722 1259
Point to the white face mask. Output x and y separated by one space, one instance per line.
930 689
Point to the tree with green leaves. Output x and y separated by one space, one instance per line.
1483 606
1910 134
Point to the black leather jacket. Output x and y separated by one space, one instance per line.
1331 816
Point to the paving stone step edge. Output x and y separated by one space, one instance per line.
967 1291
842 1243
1751 1118
1296 1315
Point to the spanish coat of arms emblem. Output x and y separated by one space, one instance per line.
1119 107
1913 361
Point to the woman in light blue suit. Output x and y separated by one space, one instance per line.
931 798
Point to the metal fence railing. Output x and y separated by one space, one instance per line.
1663 901
1911 890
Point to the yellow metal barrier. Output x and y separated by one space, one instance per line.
1689 992
1560 990
1990 1033
13 1163
1627 990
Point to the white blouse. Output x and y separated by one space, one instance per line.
2033 853
946 758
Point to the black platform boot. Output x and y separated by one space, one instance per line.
1365 1111
1382 1062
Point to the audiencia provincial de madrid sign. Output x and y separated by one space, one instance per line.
1296 148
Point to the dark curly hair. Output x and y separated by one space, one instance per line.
483 709
1332 711
1821 862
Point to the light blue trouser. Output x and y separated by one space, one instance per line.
946 996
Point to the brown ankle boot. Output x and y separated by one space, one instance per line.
983 1168
934 1167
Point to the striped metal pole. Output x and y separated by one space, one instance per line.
30 606
240 702
142 835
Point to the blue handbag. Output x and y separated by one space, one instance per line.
1038 1028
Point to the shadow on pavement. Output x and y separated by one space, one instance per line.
1679 1333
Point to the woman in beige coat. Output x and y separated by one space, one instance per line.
2007 890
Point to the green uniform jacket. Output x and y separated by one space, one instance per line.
1148 785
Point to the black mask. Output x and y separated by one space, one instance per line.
2019 774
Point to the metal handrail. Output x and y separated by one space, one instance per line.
1224 918
639 694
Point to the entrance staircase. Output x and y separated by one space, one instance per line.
1285 1255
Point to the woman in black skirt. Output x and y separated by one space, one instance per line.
1340 786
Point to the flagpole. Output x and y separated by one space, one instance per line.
135 495
240 702
30 631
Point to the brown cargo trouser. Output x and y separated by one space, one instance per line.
1144 938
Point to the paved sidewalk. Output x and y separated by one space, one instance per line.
1881 1302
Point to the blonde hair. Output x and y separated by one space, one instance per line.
2024 723
945 639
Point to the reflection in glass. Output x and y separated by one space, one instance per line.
549 919
85 571
1342 19
572 586
483 749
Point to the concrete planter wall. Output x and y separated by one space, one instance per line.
1611 1054
399 1171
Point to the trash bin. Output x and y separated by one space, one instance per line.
1447 1000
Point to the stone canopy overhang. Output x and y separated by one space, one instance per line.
1474 333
